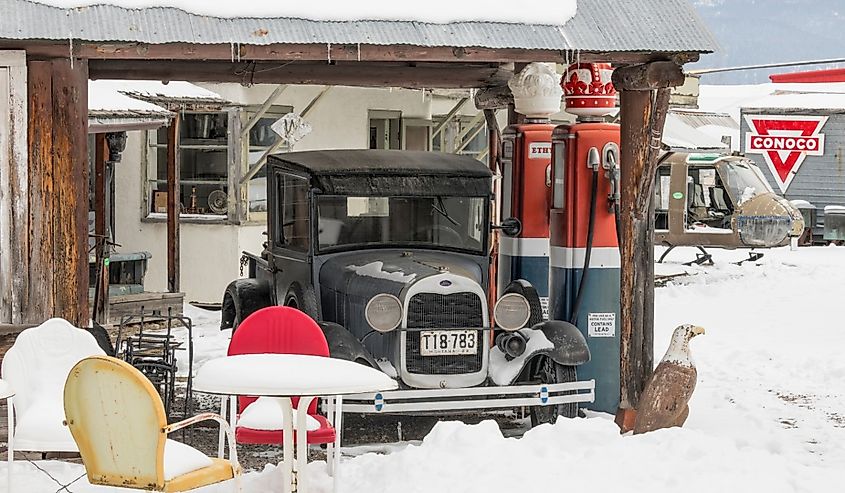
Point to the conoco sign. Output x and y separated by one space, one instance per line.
784 141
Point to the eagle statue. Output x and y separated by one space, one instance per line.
663 403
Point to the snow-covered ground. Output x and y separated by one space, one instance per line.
768 413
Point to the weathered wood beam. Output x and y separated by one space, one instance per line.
14 208
42 202
326 52
70 192
174 204
423 75
649 76
493 98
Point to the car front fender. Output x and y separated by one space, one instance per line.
344 345
568 347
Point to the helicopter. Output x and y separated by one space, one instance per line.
709 200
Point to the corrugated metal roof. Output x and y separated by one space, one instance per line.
599 25
698 119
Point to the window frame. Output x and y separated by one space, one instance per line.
237 150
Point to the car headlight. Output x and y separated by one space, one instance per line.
512 311
384 312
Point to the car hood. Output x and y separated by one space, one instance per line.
365 274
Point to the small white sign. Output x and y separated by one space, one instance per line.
291 128
544 305
601 324
540 150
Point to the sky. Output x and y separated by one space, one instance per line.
767 31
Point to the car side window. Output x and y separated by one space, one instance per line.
294 222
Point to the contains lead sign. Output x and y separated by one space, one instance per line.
601 324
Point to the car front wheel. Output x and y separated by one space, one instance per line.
549 372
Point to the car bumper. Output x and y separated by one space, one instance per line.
472 398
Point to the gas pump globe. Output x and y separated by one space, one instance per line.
588 89
584 274
526 160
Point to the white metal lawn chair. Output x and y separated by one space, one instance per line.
36 366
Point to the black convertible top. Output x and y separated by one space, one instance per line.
398 173
369 162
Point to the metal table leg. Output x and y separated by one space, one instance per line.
338 433
288 480
302 443
10 443
221 438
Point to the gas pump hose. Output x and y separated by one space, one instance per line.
589 250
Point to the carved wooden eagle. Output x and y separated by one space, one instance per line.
663 403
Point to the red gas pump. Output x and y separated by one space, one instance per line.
526 196
584 275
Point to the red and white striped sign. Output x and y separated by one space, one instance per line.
785 141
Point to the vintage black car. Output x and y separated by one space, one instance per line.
389 251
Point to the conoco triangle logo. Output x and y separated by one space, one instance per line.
784 141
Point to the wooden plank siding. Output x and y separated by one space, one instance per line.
14 211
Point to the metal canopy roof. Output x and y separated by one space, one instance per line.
670 26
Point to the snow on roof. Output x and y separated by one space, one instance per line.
604 26
809 101
174 91
105 98
731 98
678 135
543 12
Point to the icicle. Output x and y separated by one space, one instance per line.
329 51
238 47
70 46
359 52
232 51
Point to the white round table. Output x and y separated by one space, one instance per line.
285 376
7 393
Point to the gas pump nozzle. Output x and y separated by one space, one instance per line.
610 163
593 159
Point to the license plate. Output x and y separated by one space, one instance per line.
448 342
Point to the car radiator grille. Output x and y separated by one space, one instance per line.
439 311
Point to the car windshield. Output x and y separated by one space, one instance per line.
426 222
744 180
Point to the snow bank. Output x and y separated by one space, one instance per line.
766 414
547 12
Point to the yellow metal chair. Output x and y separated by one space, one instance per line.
117 419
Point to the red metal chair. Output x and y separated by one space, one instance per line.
278 330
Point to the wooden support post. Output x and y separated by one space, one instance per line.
174 205
101 154
41 200
643 114
494 138
70 189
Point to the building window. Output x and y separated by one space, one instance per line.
389 130
211 159
204 170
